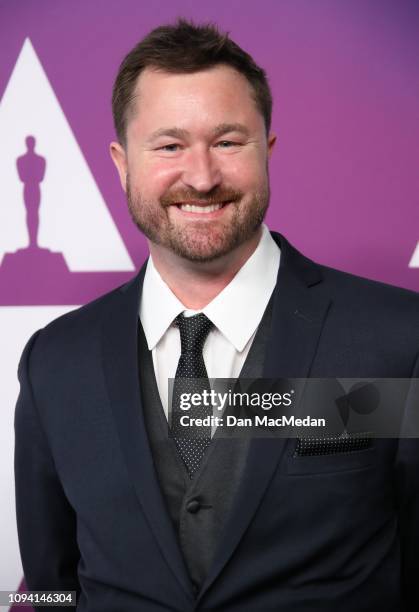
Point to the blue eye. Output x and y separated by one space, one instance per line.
170 147
227 144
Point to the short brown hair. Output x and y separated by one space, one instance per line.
185 48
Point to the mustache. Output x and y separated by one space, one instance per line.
218 195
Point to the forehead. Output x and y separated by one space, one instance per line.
218 94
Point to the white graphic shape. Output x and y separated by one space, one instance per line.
414 262
74 218
17 324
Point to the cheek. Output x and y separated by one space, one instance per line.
246 174
155 178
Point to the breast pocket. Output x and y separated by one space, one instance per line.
328 455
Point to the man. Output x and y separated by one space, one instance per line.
107 503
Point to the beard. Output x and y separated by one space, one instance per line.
199 241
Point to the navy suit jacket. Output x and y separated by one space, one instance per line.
319 534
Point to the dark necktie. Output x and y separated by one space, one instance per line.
191 377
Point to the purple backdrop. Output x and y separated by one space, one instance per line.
345 79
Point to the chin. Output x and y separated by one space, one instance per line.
201 255
205 250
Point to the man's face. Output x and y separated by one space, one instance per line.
195 164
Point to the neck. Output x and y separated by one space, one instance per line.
196 284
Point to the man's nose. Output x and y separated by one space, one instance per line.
201 171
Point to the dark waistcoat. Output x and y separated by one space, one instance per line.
198 508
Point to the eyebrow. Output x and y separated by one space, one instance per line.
224 128
219 130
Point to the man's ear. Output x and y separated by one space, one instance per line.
119 158
271 143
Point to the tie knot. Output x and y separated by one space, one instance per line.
193 332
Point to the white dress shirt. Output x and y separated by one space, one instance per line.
235 312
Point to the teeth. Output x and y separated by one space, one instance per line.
200 209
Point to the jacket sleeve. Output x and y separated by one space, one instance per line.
46 521
407 487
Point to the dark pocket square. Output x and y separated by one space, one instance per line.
332 445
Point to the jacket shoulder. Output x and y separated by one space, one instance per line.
377 294
76 329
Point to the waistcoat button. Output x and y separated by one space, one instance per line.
193 506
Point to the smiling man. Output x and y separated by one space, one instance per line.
200 190
193 161
112 507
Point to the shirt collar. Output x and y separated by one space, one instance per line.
158 307
236 311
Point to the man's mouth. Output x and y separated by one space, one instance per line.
207 206
201 208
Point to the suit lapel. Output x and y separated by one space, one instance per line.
120 362
301 303
299 309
